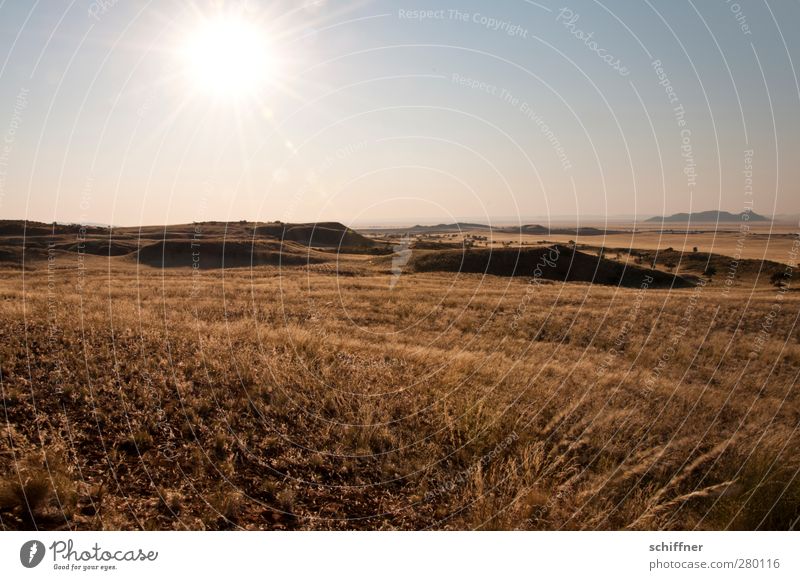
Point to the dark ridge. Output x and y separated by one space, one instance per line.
531 229
31 228
701 262
323 234
217 254
434 245
16 255
100 247
559 263
542 230
455 227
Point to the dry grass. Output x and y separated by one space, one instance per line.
299 399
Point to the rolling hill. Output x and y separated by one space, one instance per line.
558 263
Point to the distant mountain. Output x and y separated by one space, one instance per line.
708 216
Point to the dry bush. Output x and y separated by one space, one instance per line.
39 492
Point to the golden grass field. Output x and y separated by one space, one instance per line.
321 397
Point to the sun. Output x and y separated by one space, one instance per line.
227 56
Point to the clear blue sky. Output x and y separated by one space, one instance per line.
404 111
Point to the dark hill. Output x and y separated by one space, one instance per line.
100 246
455 227
208 254
536 229
31 228
323 234
560 263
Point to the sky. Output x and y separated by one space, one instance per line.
369 112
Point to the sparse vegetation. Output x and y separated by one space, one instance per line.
300 398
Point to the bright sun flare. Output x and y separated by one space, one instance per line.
227 56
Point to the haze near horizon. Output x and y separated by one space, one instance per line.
378 112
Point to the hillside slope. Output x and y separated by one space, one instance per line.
560 263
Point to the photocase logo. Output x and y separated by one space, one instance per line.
31 553
401 256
